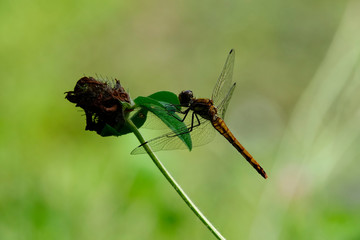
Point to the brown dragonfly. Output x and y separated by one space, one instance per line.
206 116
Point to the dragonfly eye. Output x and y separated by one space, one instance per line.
185 98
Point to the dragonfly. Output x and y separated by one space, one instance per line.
207 117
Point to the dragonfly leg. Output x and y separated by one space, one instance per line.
184 112
192 121
192 124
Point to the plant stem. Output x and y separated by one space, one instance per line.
172 181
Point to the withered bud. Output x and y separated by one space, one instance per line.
101 102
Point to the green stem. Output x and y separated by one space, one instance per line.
172 181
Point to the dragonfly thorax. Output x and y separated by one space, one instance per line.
186 98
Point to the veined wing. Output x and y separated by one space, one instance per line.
200 135
151 121
223 85
222 107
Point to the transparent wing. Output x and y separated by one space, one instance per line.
225 102
151 120
200 135
223 84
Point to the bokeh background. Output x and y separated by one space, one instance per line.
296 110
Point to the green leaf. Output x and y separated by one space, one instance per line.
166 113
164 105
167 97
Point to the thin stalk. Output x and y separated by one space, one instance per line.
172 181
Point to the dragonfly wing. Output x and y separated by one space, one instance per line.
225 103
200 135
168 141
203 134
224 82
151 120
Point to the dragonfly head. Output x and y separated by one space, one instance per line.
185 98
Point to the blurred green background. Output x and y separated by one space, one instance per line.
296 110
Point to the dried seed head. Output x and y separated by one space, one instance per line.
101 102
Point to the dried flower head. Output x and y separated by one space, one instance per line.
101 102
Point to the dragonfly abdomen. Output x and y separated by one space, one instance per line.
221 127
